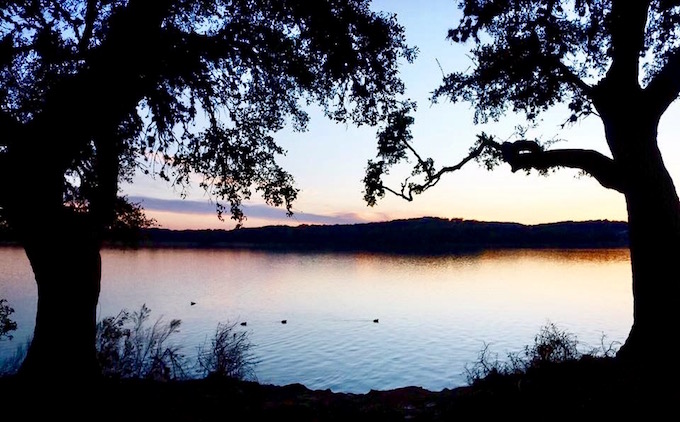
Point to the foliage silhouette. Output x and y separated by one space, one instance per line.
227 355
6 323
93 91
128 348
616 60
551 346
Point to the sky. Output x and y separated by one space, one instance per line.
329 160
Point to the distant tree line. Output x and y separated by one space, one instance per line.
421 235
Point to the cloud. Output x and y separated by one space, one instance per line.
207 208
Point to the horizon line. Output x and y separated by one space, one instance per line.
424 217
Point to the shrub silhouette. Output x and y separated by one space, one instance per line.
6 323
227 355
128 348
551 345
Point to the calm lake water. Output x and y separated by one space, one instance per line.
435 312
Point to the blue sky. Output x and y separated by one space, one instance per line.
328 160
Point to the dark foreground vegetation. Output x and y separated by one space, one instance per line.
145 378
584 389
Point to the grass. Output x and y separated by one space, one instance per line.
227 354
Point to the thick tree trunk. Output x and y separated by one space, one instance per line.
67 266
654 232
654 235
630 124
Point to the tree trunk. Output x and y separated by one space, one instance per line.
654 236
67 266
654 249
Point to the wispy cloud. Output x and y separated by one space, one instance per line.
181 206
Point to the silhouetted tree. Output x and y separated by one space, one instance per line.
616 59
93 89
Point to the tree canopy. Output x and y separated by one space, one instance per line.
594 56
92 90
615 59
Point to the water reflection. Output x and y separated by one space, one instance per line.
435 312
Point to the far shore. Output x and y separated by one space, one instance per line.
427 235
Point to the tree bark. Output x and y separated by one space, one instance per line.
67 266
654 234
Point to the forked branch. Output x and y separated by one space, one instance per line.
432 177
520 155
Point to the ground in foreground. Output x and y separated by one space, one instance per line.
587 389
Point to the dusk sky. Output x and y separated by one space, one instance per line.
328 161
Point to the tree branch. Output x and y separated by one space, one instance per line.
408 189
520 155
91 13
571 78
628 21
665 87
527 155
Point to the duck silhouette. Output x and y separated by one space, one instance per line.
284 321
192 303
375 320
244 323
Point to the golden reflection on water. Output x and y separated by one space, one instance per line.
515 274
349 283
432 309
580 255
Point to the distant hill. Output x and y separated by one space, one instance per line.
420 235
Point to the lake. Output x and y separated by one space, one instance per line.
435 313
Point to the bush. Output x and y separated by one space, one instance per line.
551 345
227 355
6 324
127 348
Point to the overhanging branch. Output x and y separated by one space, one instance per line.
527 155
520 155
409 189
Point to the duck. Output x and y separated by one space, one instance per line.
284 321
375 320
192 303
243 324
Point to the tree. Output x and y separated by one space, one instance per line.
617 60
93 90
